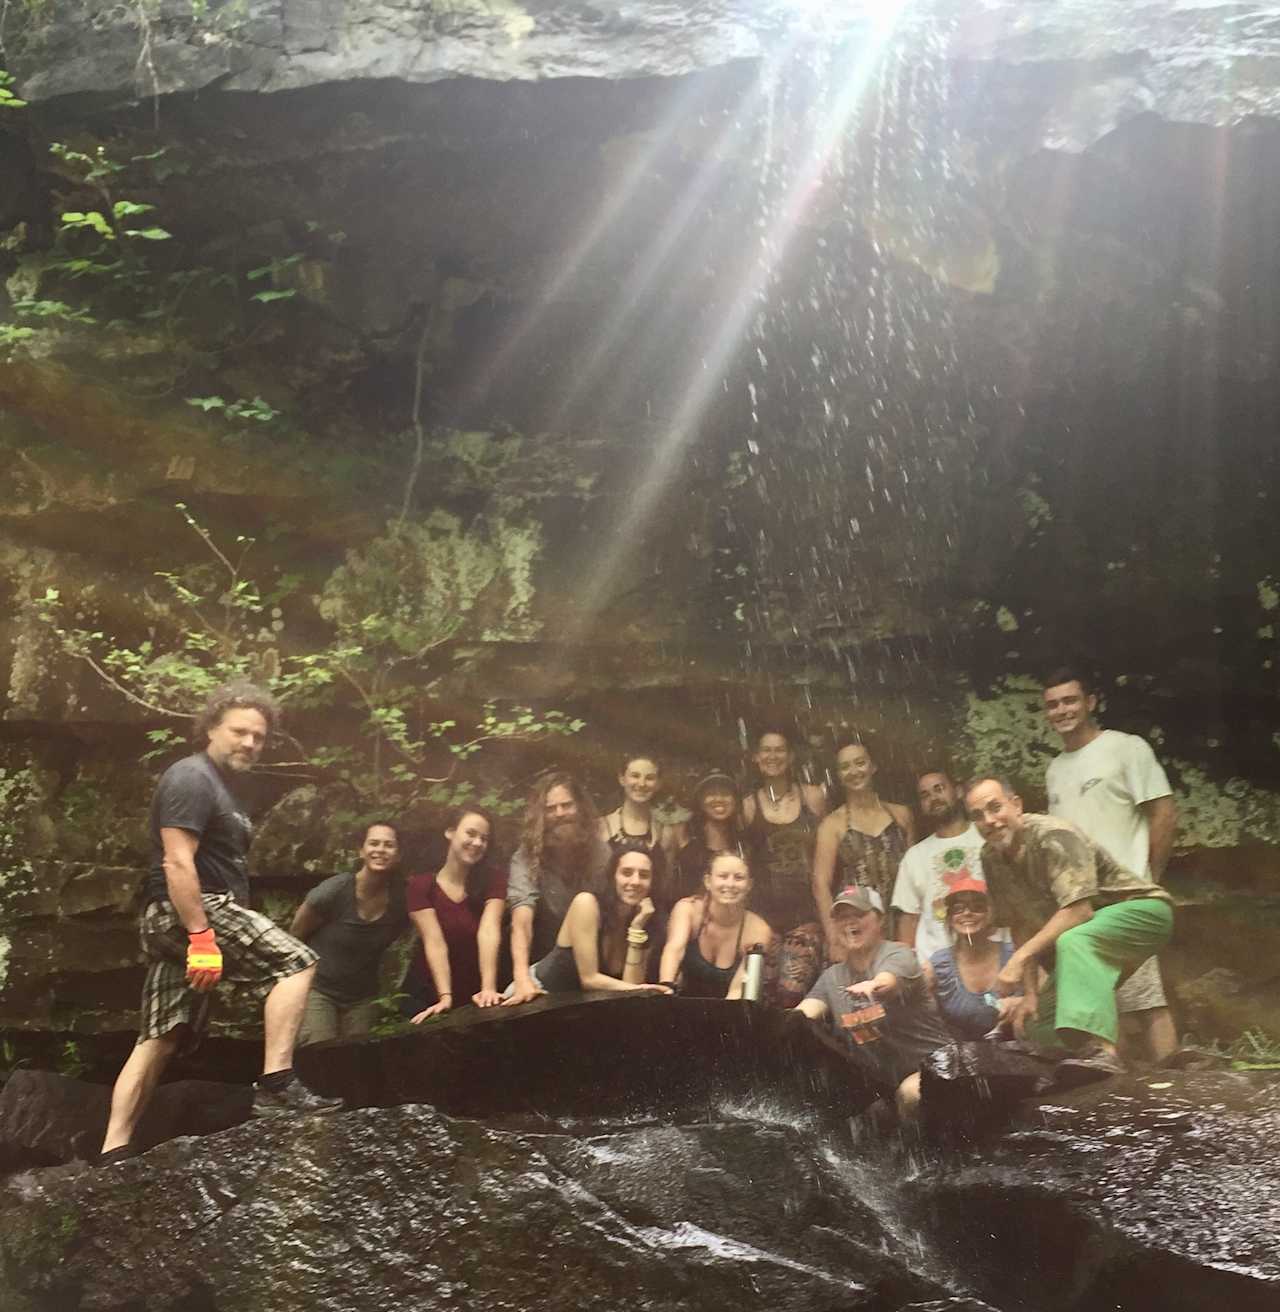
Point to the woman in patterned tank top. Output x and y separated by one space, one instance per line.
862 841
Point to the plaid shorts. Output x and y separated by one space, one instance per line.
256 953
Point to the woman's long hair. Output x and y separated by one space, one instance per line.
698 821
848 738
480 875
533 835
613 915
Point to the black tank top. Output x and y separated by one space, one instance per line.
619 839
783 868
703 979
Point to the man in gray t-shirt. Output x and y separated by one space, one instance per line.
560 856
876 999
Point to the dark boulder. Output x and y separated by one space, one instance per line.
602 1054
404 1207
1148 1192
968 1088
47 1119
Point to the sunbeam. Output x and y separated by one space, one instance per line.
708 370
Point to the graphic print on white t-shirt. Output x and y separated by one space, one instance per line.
926 875
1101 787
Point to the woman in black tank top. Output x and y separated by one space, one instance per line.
782 821
602 943
634 822
713 828
708 935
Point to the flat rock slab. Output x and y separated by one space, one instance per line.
1158 1192
596 1055
406 1208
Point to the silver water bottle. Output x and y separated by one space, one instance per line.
753 980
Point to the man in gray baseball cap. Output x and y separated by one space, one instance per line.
876 999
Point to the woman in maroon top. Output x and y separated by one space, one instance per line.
457 913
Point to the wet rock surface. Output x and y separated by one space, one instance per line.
599 1054
404 1207
1154 1192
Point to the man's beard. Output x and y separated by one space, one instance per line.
567 836
953 813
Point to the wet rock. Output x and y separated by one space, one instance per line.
405 1207
969 1088
47 1118
1139 1193
601 1054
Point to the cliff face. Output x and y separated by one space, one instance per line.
675 359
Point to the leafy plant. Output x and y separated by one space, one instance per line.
257 409
1255 1050
8 100
211 623
71 1062
123 269
387 1018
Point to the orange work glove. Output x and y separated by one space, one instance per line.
204 960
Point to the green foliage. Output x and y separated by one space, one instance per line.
17 793
71 1062
7 98
389 607
1254 1050
127 271
412 589
257 409
387 1019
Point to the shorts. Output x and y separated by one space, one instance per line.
326 1020
256 952
1143 990
509 991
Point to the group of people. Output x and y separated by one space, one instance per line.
1002 924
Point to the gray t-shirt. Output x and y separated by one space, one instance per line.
350 948
911 1028
193 794
551 893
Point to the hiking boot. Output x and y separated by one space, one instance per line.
295 1099
1087 1067
126 1152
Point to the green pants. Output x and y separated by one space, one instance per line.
1092 960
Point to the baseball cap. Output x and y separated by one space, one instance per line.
714 777
860 899
967 885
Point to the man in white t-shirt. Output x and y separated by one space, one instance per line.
929 869
1110 785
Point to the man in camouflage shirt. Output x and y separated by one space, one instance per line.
1081 924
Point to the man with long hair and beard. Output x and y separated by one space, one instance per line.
560 854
